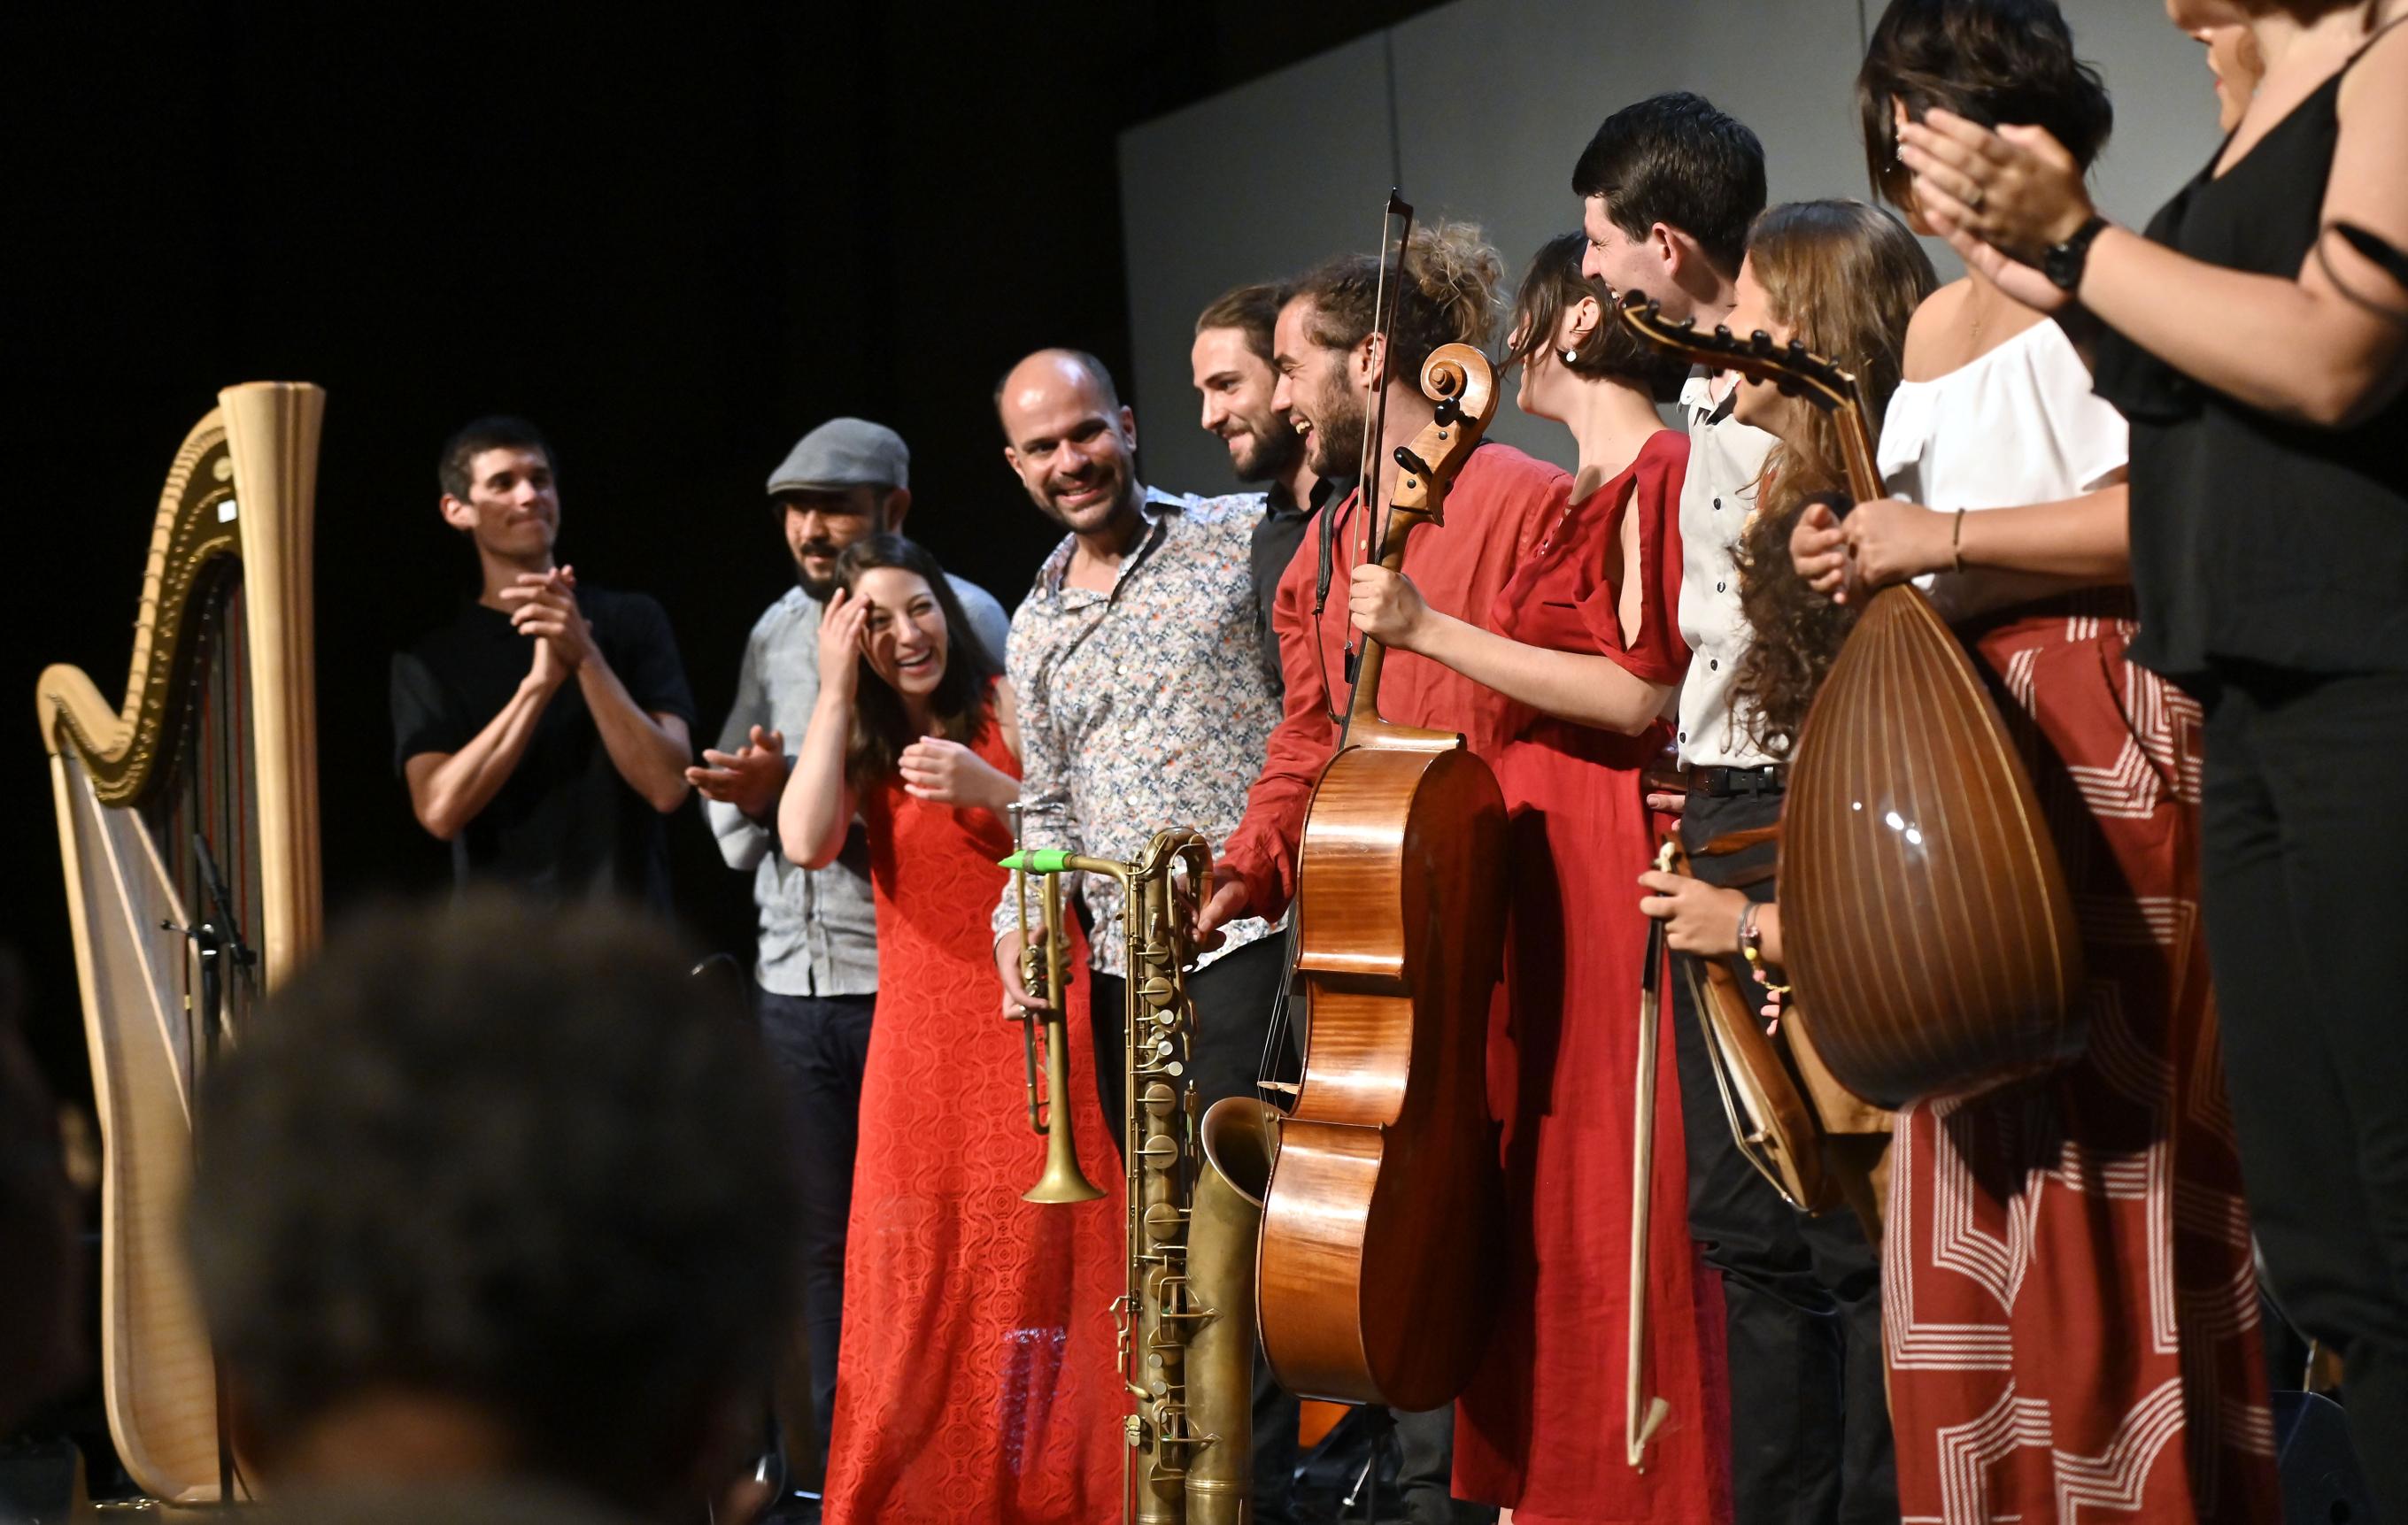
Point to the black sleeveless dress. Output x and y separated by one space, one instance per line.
2256 541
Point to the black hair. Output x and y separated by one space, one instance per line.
1553 284
1989 60
964 696
494 432
514 1156
1675 159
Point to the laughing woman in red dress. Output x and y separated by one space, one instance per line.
977 1378
1587 649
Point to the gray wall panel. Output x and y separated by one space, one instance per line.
1495 99
1252 184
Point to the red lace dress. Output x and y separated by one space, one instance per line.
978 1377
1541 1426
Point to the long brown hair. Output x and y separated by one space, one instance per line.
1847 276
964 696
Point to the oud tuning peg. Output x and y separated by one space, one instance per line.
1760 342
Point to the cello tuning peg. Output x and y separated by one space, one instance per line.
1448 412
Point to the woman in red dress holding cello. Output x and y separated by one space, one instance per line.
1586 648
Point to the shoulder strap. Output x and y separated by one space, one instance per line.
2371 39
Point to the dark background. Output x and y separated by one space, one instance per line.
675 242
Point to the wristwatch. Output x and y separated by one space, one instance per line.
2063 262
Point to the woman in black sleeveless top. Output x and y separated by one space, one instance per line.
2255 339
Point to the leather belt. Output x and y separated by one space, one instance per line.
1723 783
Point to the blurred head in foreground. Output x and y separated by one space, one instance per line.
490 1194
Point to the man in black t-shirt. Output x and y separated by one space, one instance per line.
543 733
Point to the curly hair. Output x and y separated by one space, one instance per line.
515 1156
1452 280
1847 278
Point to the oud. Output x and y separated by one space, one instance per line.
1929 933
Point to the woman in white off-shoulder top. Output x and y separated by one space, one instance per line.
2034 1257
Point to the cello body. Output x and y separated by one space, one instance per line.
1378 1231
1379 1221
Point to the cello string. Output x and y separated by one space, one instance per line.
1367 495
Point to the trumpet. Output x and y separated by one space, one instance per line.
1186 1317
1044 971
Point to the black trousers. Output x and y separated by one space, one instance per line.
819 1045
2306 833
1810 1408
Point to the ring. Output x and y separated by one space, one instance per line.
1973 202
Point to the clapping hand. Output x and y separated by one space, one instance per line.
2000 197
543 606
749 778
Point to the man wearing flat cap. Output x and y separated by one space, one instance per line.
816 977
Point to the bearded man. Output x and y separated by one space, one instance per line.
1231 359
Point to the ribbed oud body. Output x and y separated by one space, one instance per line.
1924 912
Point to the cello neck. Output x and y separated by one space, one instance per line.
1364 726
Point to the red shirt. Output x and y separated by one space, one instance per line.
1501 506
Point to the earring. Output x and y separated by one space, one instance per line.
1571 356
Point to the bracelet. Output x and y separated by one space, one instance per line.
1957 542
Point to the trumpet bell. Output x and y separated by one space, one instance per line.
1063 1180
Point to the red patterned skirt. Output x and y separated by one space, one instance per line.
2070 1310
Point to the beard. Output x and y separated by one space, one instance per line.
819 588
1334 446
1264 450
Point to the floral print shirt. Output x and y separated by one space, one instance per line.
1145 707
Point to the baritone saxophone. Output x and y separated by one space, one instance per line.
1185 1319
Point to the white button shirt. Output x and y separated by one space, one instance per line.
1725 459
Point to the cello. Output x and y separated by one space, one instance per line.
1377 1255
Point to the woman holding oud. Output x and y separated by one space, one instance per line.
2069 1250
1582 646
2256 337
977 1378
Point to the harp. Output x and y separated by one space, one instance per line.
1930 932
188 825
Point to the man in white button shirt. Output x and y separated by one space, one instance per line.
1668 187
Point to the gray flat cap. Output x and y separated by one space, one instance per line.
844 452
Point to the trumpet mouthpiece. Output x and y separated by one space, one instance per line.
1041 861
